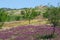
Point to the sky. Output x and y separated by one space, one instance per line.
26 3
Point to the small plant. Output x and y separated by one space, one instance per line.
45 36
48 36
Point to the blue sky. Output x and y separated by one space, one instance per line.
26 3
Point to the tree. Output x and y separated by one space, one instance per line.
52 14
28 14
3 17
23 14
17 18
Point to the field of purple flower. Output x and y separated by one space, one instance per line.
28 32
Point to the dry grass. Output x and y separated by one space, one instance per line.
24 22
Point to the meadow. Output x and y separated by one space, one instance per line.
40 23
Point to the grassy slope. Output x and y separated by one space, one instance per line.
36 21
25 22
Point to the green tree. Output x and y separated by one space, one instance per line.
3 17
52 14
17 18
31 14
28 15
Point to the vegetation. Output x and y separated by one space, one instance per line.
53 16
3 17
28 33
30 14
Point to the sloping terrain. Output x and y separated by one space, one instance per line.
28 32
15 14
37 21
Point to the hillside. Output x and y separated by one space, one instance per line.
15 16
41 9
